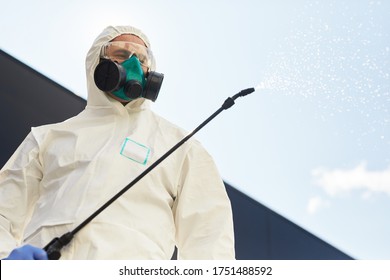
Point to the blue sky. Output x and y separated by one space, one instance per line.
312 144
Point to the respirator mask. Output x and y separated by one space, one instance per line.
124 71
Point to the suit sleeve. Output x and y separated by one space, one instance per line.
19 182
202 210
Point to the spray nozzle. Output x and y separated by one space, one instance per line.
246 91
230 101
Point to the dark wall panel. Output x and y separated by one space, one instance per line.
28 99
250 226
263 234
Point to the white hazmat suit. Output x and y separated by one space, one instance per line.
63 172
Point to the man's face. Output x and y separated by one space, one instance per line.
132 39
121 54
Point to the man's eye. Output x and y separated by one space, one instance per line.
142 58
122 56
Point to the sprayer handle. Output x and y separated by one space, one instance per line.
53 249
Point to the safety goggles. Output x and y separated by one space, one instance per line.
120 51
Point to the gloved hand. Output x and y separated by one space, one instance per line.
27 252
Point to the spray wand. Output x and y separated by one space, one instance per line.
53 248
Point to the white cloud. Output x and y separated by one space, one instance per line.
340 181
316 203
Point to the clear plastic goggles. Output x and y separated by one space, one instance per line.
120 51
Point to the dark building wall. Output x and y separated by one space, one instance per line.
263 234
29 99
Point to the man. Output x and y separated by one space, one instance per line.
63 172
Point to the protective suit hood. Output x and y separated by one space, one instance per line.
96 97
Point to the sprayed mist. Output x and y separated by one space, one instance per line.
341 66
